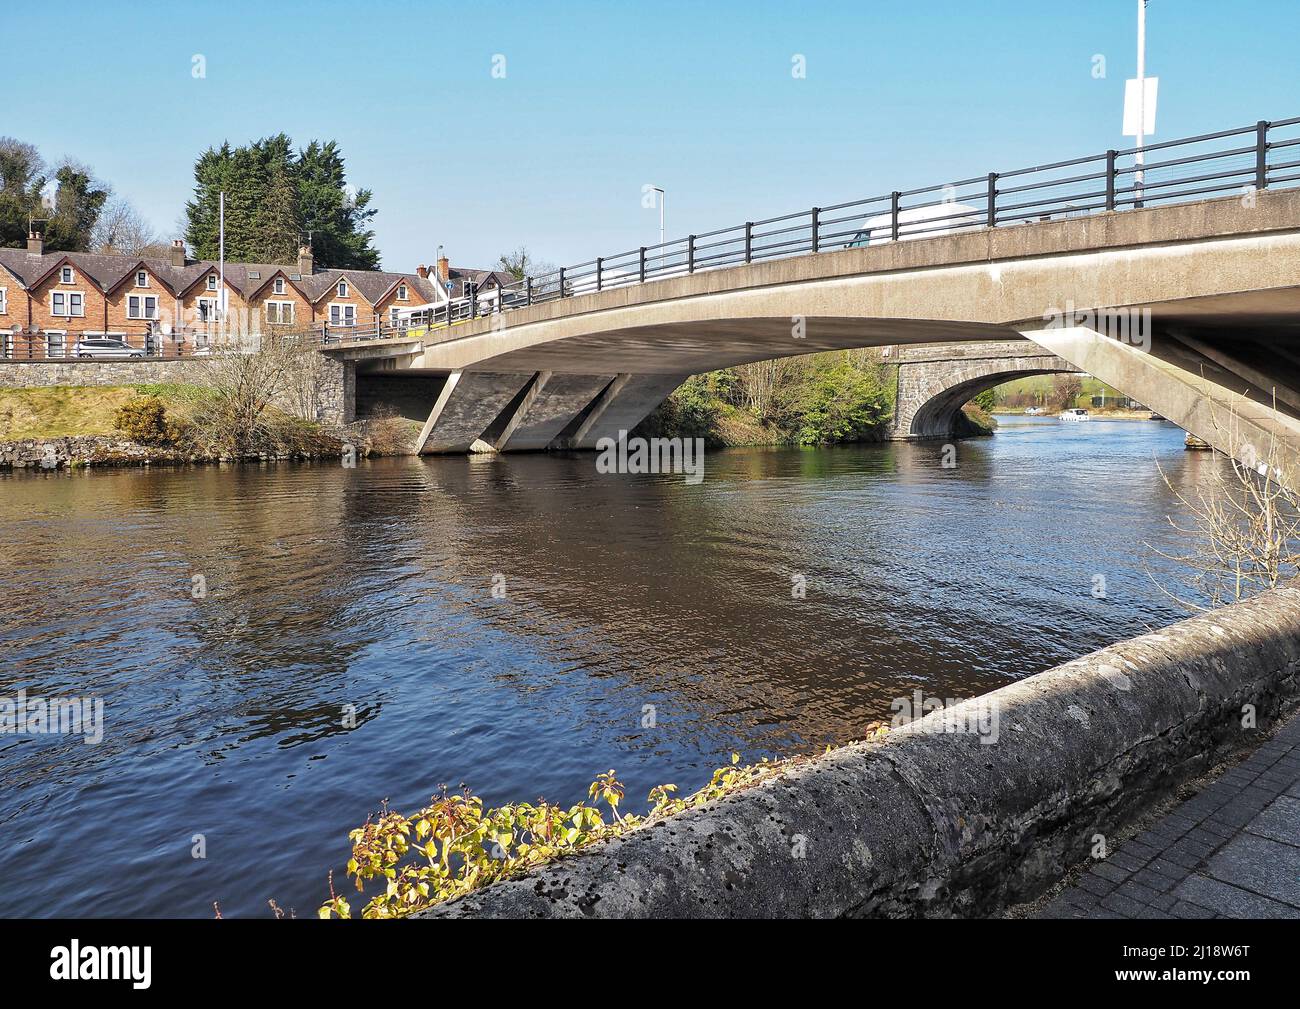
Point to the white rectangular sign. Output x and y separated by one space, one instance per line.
1148 106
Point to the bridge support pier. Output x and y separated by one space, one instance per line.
466 407
552 402
624 403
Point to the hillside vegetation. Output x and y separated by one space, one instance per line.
817 399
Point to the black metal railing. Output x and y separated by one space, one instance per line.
190 343
1261 156
69 345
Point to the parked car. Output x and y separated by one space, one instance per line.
99 346
1075 415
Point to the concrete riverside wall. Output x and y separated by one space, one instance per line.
335 380
935 824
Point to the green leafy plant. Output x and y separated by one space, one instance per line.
144 419
843 403
453 845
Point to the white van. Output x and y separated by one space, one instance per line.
920 222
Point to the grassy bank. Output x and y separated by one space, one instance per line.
68 411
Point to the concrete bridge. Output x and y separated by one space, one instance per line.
1202 301
1186 303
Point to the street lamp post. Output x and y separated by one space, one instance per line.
663 199
1138 158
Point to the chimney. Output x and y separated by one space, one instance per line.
177 255
35 241
306 261
422 271
444 269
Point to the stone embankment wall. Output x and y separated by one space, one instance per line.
83 450
930 822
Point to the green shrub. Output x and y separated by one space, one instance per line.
144 420
842 402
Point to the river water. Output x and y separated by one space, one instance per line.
370 590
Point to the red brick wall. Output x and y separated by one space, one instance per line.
365 314
391 301
302 313
118 320
93 318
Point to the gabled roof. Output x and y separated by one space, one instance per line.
141 264
255 276
106 271
194 273
245 278
372 285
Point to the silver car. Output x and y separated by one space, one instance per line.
105 347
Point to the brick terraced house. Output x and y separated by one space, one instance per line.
51 300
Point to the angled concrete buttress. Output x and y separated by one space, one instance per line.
621 407
551 403
1221 408
468 404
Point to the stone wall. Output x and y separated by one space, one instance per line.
31 374
929 822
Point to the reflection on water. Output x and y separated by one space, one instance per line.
371 588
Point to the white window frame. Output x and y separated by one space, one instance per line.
401 292
136 313
4 301
67 275
213 306
141 278
279 319
67 297
6 343
277 285
394 316
62 334
340 313
212 281
342 289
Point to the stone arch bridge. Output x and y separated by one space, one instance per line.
934 382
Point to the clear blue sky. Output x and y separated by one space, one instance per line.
600 98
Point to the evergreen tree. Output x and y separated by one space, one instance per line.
202 214
336 219
274 198
276 228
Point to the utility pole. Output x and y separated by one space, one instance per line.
221 265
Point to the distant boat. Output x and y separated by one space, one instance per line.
1076 415
1033 411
